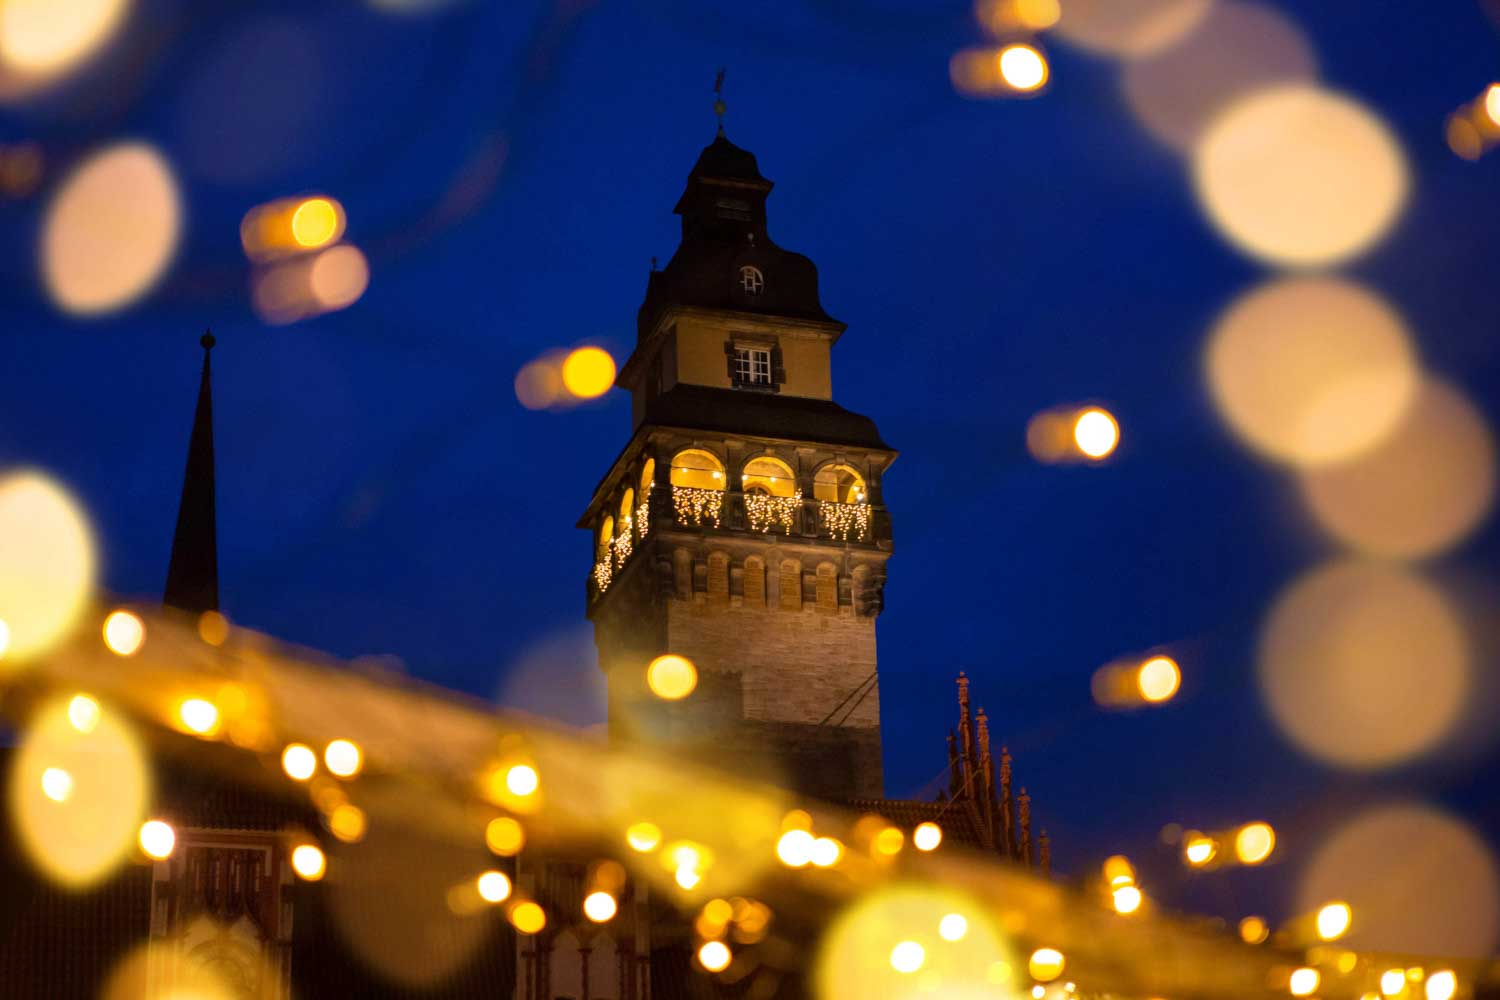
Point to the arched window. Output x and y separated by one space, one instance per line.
643 509
648 478
752 282
840 484
768 475
627 509
606 536
697 469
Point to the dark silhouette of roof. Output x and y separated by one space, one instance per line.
193 574
704 408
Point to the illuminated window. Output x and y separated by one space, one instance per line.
768 475
752 366
839 483
697 469
752 281
606 535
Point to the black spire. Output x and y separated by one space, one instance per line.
193 576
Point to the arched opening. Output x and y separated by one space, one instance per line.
697 469
643 509
840 484
770 476
626 542
606 536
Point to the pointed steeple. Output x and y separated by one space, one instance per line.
193 576
965 736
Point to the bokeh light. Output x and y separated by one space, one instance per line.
1312 370
588 372
343 758
1126 899
1418 880
347 822
338 277
671 677
1441 985
124 633
643 836
522 780
1004 17
1158 679
316 222
927 836
308 862
539 383
41 40
1254 930
1420 491
111 230
157 839
794 848
1304 982
1118 870
505 836
83 713
298 761
1333 920
46 563
1096 433
77 799
1363 665
291 226
1129 29
213 628
1254 842
493 886
1046 964
714 956
908 956
199 716
1023 67
1392 982
953 927
599 907
1296 175
527 917
825 852
1011 70
1198 849
303 287
1238 48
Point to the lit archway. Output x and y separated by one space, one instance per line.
840 484
697 469
770 476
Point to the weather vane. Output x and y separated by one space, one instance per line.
719 105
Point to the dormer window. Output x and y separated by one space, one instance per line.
752 366
752 281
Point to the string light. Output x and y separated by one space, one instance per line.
603 573
842 519
763 510
643 510
623 542
694 504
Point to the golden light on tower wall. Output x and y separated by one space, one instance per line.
1299 176
1312 370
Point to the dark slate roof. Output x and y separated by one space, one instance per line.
731 411
722 158
957 818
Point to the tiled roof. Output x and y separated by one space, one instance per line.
697 407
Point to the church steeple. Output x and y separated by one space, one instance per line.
193 575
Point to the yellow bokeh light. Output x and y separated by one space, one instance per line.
1492 103
1254 842
599 907
1238 49
1198 849
1127 899
57 784
198 715
343 758
157 839
298 761
1392 982
1333 921
505 836
1253 930
308 862
347 822
888 842
316 222
1002 17
539 383
1046 964
588 372
643 836
111 230
1118 870
213 628
908 956
1296 175
46 563
927 837
522 780
1312 370
1158 679
1364 665
1023 67
687 877
953 927
124 633
1096 433
527 917
1439 898
77 798
1134 29
825 852
1441 985
83 713
338 277
671 677
41 39
714 956
1417 493
1304 982
794 848
493 886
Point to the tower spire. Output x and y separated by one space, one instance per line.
193 575
719 106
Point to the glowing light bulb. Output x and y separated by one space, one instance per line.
671 677
908 957
1046 964
1333 921
298 761
157 839
1096 433
522 780
308 862
124 633
1158 679
599 907
494 887
643 837
953 927
927 837
83 713
1304 982
1127 899
198 716
57 784
1254 843
343 758
714 956
1023 67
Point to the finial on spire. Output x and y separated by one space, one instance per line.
719 106
207 340
653 263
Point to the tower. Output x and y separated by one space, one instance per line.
742 524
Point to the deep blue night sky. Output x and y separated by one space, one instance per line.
381 491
